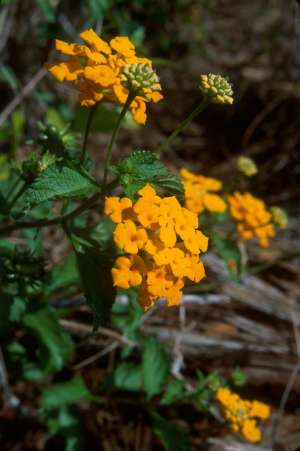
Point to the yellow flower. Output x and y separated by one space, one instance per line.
198 196
250 431
242 414
129 237
166 237
128 271
196 242
108 71
253 219
118 209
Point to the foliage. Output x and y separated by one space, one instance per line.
57 185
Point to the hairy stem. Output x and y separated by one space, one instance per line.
165 144
114 137
87 131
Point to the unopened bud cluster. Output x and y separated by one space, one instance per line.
216 88
279 216
140 79
246 166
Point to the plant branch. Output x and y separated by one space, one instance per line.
62 219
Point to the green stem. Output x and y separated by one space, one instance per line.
87 131
114 137
17 195
183 124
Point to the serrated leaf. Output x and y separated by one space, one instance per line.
143 167
56 345
65 393
128 376
172 437
60 181
156 366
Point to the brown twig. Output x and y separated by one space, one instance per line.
84 329
96 356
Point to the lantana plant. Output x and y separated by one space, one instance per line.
145 240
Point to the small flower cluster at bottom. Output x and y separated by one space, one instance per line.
241 414
161 242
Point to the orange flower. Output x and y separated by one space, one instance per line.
128 271
169 248
198 196
129 237
102 71
118 209
252 217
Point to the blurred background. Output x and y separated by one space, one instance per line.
256 44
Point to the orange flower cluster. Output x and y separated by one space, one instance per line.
162 245
199 193
242 415
253 219
97 68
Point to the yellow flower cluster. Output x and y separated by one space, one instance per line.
96 69
241 414
162 245
253 219
199 193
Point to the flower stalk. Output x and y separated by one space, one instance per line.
165 144
108 156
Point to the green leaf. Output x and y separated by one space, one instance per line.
95 259
175 391
230 253
8 75
63 276
127 317
144 167
98 8
60 181
68 423
172 437
156 366
128 376
64 394
47 9
56 345
238 377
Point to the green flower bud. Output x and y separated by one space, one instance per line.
216 88
279 216
47 160
140 79
246 166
